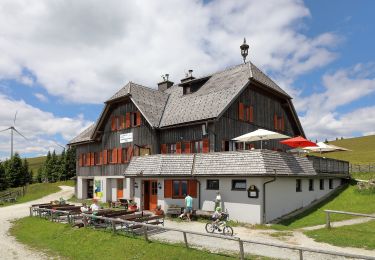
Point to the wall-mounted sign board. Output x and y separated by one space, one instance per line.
126 138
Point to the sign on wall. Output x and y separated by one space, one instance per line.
126 138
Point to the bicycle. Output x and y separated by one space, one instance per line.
220 226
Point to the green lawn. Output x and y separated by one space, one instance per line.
359 235
39 190
35 163
348 199
61 240
363 150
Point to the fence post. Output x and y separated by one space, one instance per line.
242 253
328 220
300 254
145 233
185 239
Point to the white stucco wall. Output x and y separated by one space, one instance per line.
282 198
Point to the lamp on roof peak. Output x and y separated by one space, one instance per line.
244 50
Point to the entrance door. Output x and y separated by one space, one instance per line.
90 188
120 188
150 194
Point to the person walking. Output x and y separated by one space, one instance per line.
218 201
189 206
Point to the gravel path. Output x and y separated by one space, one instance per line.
10 248
221 245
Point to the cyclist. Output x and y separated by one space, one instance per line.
217 216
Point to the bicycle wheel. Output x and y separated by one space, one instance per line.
210 228
228 231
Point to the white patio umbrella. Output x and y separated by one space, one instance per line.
259 135
325 148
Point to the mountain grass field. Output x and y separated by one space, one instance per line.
362 150
35 163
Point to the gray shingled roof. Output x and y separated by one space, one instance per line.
171 107
150 102
242 163
84 136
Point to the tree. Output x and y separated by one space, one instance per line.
70 163
47 168
55 167
25 172
15 171
40 175
30 177
62 172
3 178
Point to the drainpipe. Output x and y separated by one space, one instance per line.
264 196
199 183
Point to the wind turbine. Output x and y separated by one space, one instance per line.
13 128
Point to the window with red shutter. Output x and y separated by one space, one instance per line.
240 111
206 146
129 153
282 123
80 160
127 120
92 159
105 156
119 155
138 118
122 122
187 147
251 114
167 188
163 149
193 188
178 148
88 159
114 156
275 121
113 124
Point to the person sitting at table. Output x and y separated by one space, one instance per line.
84 208
95 206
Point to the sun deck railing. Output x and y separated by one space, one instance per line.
328 165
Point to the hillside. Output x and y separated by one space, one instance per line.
35 163
363 150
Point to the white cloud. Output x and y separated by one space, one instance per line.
38 126
79 49
341 88
41 97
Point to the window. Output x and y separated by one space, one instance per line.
246 112
311 184
238 184
279 123
197 146
321 184
133 119
109 155
330 184
171 148
298 185
179 188
212 185
228 145
186 147
97 158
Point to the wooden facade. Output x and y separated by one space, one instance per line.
254 108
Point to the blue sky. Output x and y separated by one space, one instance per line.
60 62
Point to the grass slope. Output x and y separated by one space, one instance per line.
348 199
62 240
359 235
39 190
35 163
363 150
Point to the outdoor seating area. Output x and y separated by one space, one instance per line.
121 220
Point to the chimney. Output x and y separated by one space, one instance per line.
165 84
188 76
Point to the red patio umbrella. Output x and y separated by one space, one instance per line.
298 142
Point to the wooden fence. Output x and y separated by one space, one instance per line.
11 196
111 223
329 212
368 167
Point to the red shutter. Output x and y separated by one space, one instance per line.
129 153
105 156
127 120
206 146
138 118
119 155
114 155
282 123
167 188
178 147
193 188
122 122
240 111
100 158
187 147
275 121
113 124
251 114
88 159
92 159
80 160
163 149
